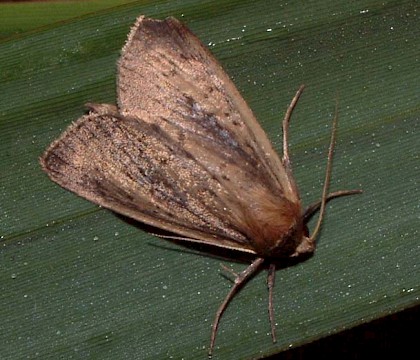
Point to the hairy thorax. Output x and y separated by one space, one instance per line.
274 226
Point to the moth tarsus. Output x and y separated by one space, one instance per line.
313 208
183 152
270 284
285 127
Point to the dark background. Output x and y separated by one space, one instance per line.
392 336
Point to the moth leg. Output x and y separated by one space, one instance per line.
240 281
314 207
286 121
229 270
270 284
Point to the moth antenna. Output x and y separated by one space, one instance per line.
240 280
324 197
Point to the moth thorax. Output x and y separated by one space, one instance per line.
275 227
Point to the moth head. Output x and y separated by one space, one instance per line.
295 242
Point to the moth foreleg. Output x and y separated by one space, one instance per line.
286 122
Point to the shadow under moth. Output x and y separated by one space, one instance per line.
183 152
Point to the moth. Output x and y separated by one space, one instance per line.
183 152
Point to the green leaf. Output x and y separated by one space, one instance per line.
78 281
17 17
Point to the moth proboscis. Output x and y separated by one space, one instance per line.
183 152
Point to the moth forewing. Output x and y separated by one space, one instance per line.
183 152
188 80
93 158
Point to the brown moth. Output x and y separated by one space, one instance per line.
183 152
